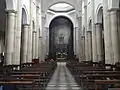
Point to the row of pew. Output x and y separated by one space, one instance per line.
31 76
95 76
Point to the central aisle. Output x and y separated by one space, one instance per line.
62 79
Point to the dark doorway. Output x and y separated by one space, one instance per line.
61 38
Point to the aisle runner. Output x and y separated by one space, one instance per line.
62 79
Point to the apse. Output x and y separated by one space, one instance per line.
61 38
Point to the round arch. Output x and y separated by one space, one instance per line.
60 15
100 15
70 19
24 15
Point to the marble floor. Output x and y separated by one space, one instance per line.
62 79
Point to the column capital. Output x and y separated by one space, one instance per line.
26 24
34 31
83 36
10 11
75 28
89 31
40 36
37 6
98 23
79 17
47 27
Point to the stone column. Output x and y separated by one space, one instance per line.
34 44
40 36
44 43
107 34
86 44
94 46
29 50
47 40
115 35
80 33
37 29
43 38
24 41
99 41
40 48
83 47
9 37
86 47
17 37
75 41
89 35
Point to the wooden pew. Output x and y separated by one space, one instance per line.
88 77
40 73
19 84
106 82
85 73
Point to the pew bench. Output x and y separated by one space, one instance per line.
85 73
20 84
106 82
88 79
43 72
31 76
